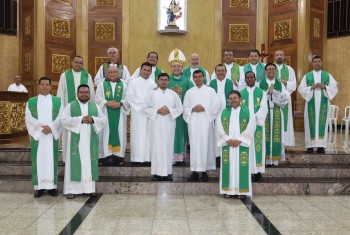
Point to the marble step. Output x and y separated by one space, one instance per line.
293 157
138 185
283 171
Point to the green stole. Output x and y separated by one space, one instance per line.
276 129
33 108
235 73
187 73
113 114
310 81
228 88
243 152
285 77
156 74
71 89
258 135
260 71
75 164
105 70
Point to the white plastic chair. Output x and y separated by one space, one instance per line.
333 117
346 120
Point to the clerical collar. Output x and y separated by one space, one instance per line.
177 77
194 67
45 96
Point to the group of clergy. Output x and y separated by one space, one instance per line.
241 114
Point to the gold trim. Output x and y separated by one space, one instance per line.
5 117
282 29
104 31
238 33
240 3
316 28
60 28
27 25
277 2
100 61
26 62
60 63
105 3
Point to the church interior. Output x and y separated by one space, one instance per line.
307 194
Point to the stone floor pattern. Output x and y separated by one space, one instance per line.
20 213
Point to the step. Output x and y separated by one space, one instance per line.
143 185
282 171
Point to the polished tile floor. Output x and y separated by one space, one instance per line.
20 213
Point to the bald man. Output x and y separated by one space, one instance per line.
194 65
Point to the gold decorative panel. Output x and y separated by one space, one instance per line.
239 33
27 25
281 1
5 117
287 60
27 62
18 117
241 61
317 27
60 28
105 2
100 61
239 3
104 31
282 29
60 63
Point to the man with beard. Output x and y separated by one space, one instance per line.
83 120
286 75
164 106
152 58
194 65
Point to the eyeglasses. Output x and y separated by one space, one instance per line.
112 52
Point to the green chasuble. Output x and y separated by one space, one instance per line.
311 109
105 70
75 164
285 77
228 88
260 71
187 73
276 120
243 157
71 89
235 72
258 135
113 114
180 86
33 108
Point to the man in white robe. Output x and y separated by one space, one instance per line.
195 65
318 88
201 107
255 99
233 70
84 120
42 117
164 106
17 86
152 58
67 87
286 75
235 131
110 96
137 96
113 56
277 98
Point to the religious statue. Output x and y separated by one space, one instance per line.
174 12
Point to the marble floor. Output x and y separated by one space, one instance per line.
20 213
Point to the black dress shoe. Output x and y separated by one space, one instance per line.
193 177
218 161
321 150
156 178
169 178
146 164
258 177
205 176
310 150
39 193
53 192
